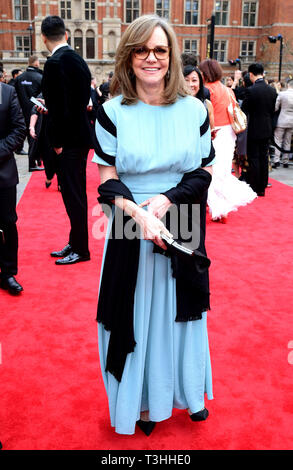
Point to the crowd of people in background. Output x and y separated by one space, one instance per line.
242 161
241 167
281 144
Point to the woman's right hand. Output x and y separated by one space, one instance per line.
151 227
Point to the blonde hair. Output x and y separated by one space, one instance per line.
138 33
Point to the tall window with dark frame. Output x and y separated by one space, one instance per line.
249 13
220 51
221 12
191 11
90 44
190 45
78 42
21 9
132 10
90 10
65 9
247 49
22 44
163 8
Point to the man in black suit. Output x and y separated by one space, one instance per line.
12 135
28 84
259 105
66 89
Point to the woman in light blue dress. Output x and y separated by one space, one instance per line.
148 137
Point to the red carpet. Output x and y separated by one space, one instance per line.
52 395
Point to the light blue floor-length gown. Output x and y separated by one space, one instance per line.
170 366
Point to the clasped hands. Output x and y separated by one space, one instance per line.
149 220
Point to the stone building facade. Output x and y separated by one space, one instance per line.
95 27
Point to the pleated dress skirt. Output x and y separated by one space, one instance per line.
170 366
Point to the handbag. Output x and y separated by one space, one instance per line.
238 119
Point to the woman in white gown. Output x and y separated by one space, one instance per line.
226 193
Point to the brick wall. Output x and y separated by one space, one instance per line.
273 18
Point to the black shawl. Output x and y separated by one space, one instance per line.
117 289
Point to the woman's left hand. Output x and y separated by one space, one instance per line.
157 205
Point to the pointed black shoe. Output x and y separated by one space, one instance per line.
200 415
11 285
72 258
64 252
146 426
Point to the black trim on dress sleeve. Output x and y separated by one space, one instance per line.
209 159
204 127
106 122
98 149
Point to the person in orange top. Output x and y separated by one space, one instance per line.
226 193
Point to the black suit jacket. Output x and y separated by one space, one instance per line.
66 88
259 105
12 135
28 84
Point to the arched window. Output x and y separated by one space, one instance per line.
90 44
78 44
111 44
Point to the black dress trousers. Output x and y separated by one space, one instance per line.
71 172
9 237
258 161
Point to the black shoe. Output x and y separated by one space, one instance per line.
276 165
36 168
21 152
146 426
11 285
200 415
64 252
72 258
285 165
262 194
48 184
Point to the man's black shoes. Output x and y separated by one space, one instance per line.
11 285
72 258
64 252
68 256
276 165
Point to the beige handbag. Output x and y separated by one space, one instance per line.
238 119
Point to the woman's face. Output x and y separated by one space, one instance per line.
193 82
151 71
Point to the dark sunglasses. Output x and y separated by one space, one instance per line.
160 52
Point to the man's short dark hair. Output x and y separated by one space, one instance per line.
189 58
14 72
53 28
256 69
